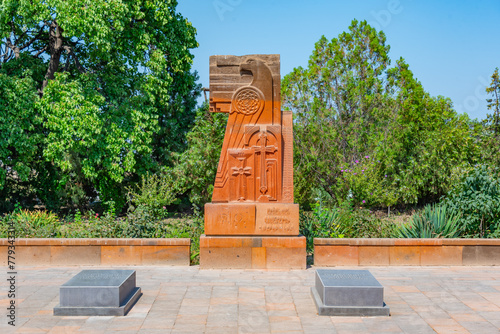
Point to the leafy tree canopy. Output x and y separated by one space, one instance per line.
368 133
95 80
491 125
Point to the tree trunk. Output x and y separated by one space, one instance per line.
55 49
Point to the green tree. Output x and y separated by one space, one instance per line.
339 107
477 199
494 103
177 117
103 74
19 141
491 125
194 170
430 145
368 133
189 182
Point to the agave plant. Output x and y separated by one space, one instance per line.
435 221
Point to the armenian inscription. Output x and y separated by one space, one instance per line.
281 218
345 276
93 277
277 219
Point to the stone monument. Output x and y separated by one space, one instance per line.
252 221
98 293
348 293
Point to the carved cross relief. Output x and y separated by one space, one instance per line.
241 171
263 150
263 139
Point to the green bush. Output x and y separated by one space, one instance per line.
91 226
495 234
362 223
194 169
435 221
477 198
189 227
151 197
343 222
137 224
31 224
363 182
320 223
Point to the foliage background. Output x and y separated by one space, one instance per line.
99 116
98 94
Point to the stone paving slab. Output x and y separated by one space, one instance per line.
190 300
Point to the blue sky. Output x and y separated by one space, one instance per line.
452 47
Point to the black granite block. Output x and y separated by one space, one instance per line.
98 292
348 292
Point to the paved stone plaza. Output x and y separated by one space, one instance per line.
189 300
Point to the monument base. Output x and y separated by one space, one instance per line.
262 252
348 293
274 219
100 311
98 293
355 311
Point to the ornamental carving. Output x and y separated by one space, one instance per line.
248 101
256 162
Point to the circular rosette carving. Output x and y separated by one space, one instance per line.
248 100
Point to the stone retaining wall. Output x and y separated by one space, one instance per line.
406 252
106 252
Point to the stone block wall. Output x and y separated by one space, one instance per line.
106 252
406 252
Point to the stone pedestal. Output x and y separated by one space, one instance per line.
348 293
98 293
242 252
252 236
252 219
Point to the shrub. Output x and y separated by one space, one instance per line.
477 197
435 221
31 224
137 224
362 223
92 226
189 227
342 222
142 223
195 169
364 183
320 223
154 193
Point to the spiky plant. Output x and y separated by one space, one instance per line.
435 221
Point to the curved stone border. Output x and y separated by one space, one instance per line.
93 251
406 252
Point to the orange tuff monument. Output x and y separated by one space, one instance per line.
252 221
